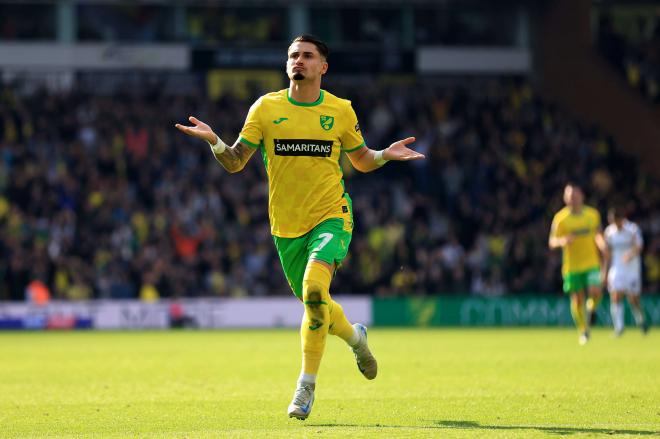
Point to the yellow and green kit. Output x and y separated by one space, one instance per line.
580 261
310 213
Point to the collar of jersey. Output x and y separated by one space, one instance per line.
305 104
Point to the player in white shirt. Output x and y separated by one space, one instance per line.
624 277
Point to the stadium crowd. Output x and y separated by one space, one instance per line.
635 51
100 197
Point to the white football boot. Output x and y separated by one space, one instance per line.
303 398
363 356
584 338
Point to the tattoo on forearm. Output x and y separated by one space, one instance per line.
234 158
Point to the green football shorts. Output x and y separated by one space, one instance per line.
328 242
575 282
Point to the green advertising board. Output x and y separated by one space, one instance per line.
486 311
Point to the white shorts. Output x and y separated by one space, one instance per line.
623 281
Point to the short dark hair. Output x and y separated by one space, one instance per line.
617 212
320 45
574 184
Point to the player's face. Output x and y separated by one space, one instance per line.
305 62
573 196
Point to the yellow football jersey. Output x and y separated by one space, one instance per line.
300 144
581 254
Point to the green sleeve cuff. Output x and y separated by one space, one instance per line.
356 148
244 141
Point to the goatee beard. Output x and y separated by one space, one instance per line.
298 76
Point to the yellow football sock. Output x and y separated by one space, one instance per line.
577 311
316 320
592 303
339 324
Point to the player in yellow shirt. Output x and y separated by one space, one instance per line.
300 133
576 229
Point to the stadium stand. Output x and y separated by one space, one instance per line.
632 45
100 199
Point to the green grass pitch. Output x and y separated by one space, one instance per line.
432 383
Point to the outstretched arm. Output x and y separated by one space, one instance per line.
232 158
367 160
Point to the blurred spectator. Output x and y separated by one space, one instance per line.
37 293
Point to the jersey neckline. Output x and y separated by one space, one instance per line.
306 104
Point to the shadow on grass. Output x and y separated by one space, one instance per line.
471 425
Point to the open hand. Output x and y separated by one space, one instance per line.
399 151
199 130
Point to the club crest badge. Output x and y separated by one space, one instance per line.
327 122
